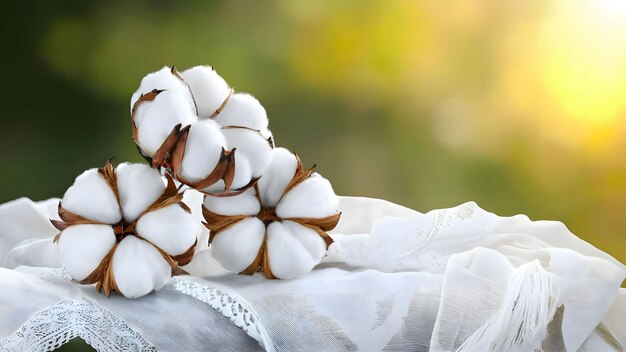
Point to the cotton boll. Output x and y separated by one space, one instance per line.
139 186
243 110
162 80
194 200
139 268
312 198
203 150
215 188
209 89
156 119
242 204
237 246
277 176
243 172
170 228
253 154
293 249
82 248
91 197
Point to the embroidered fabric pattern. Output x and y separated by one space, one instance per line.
61 322
229 305
54 273
402 245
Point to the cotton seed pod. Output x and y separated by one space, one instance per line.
164 79
193 124
125 229
209 88
278 226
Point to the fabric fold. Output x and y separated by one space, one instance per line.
394 279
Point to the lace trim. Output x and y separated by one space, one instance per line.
61 322
229 305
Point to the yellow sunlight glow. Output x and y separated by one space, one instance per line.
584 56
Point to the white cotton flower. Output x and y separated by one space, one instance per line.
193 124
138 187
82 248
205 142
155 120
279 226
91 197
253 154
164 79
243 109
125 229
209 89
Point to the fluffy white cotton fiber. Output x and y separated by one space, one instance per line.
158 226
91 197
313 197
293 249
82 247
139 268
277 176
217 118
146 233
155 119
209 89
139 186
202 151
163 79
244 204
243 110
286 219
234 247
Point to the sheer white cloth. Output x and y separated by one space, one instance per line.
452 279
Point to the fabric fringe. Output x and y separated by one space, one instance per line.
520 323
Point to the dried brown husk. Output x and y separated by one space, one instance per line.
102 275
216 223
171 153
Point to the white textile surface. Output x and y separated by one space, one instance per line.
459 279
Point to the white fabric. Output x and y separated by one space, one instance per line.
441 279
61 322
42 309
23 225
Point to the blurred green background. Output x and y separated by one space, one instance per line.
517 105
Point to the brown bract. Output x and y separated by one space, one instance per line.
171 153
217 223
102 276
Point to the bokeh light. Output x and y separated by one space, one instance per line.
516 105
